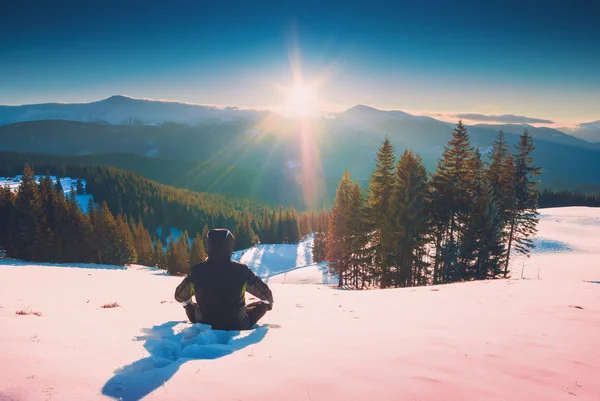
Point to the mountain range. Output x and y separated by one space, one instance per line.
308 157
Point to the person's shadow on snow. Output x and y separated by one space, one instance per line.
169 350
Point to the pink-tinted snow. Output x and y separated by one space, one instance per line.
517 339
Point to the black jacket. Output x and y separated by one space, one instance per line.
220 285
220 288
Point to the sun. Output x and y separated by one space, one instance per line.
301 99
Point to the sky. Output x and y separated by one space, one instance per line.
530 60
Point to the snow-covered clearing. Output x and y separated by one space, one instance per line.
495 340
67 184
271 260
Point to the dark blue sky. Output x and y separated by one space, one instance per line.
538 59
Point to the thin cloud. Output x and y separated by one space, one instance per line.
504 118
590 125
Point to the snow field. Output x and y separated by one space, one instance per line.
493 340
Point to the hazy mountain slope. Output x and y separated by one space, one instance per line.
271 187
540 133
589 131
289 158
125 110
279 157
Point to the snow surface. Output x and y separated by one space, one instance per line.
517 339
268 259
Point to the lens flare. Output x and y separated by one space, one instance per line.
301 99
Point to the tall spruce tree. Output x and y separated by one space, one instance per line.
410 210
452 196
7 221
524 216
182 254
500 175
487 225
124 246
197 252
58 186
265 228
143 244
274 232
205 232
244 234
320 240
51 219
160 259
358 237
337 247
293 226
27 215
114 243
381 185
78 240
172 257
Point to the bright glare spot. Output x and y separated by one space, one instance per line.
301 98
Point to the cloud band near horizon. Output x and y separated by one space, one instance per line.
504 118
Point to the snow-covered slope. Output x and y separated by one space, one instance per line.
286 264
495 340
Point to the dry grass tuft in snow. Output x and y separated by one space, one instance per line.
28 311
113 305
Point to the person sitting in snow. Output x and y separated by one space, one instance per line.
220 285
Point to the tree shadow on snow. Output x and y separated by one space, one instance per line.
169 350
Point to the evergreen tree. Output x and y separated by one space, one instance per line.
381 184
274 232
27 217
304 225
143 244
360 256
80 189
90 209
182 255
50 222
451 197
78 240
205 232
197 253
265 228
500 176
7 221
293 226
323 222
124 244
487 226
244 235
160 259
337 247
114 242
282 227
410 209
524 216
172 257
58 186
469 228
319 247
320 240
